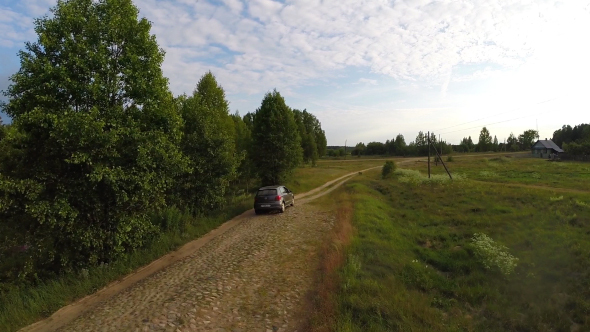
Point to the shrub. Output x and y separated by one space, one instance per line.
492 254
388 169
450 158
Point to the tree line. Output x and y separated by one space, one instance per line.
574 141
98 143
485 143
419 146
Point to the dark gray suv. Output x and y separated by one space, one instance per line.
273 198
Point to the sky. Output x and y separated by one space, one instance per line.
370 70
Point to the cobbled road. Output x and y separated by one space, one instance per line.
253 273
253 277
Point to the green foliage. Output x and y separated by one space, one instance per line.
450 159
375 148
277 145
359 149
209 144
388 169
567 134
243 146
577 149
527 139
313 138
95 140
485 140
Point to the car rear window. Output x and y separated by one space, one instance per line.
267 192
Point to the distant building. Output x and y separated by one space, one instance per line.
545 149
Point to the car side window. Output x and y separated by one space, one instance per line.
286 190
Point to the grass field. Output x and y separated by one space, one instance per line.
502 169
413 264
307 177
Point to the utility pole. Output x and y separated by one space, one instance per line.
428 154
446 169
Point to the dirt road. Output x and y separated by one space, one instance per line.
250 274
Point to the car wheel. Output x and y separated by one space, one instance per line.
257 211
282 207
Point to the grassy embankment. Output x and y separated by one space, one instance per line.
412 264
24 304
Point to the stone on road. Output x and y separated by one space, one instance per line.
253 277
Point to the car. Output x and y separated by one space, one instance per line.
273 198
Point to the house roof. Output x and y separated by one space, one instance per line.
548 144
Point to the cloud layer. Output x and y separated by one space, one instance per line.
428 48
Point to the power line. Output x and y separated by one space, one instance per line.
491 116
490 124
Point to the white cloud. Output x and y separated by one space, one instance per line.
524 49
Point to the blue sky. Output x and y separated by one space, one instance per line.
372 69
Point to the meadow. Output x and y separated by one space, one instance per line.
308 177
464 255
514 169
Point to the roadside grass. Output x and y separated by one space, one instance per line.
25 304
530 171
306 177
413 265
321 305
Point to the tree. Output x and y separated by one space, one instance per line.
567 134
400 145
512 143
95 148
467 144
243 146
485 140
305 126
277 143
375 148
527 139
495 144
209 144
359 149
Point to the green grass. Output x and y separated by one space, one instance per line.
307 177
412 265
25 304
529 171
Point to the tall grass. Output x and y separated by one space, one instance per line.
416 177
21 305
413 264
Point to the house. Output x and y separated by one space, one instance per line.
545 149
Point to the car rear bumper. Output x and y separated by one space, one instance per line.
267 206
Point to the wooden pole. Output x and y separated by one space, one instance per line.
446 169
428 155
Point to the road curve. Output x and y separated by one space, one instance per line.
204 274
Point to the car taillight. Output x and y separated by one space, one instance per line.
278 198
